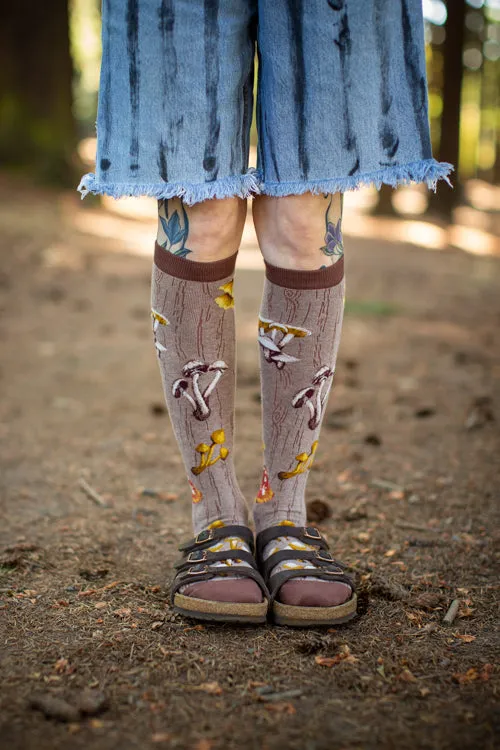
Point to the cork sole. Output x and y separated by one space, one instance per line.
206 609
305 617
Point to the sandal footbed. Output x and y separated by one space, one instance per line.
196 607
286 614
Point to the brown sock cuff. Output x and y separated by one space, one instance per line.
193 270
320 278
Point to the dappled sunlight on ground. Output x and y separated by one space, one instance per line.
132 221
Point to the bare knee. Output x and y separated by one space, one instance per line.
292 230
211 230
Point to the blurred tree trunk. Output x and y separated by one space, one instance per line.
445 200
37 129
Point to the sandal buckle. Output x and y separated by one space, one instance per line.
336 572
324 556
197 570
311 533
204 536
197 556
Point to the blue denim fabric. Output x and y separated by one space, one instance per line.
342 98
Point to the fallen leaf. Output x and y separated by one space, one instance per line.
280 708
161 737
111 585
100 605
343 655
485 673
363 536
122 612
396 495
212 688
465 638
407 676
390 553
88 592
203 745
61 666
327 661
466 677
424 692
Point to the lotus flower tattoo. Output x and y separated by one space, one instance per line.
333 239
176 231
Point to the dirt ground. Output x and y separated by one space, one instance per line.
408 466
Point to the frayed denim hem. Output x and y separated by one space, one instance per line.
428 171
240 186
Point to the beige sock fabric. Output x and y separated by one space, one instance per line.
299 334
193 325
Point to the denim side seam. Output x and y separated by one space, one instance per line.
428 171
241 186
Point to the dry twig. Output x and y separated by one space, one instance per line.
91 493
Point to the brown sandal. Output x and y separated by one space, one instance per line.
196 565
326 568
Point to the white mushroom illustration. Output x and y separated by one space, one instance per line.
192 371
273 337
158 320
313 396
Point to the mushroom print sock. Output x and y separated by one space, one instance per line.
299 333
193 326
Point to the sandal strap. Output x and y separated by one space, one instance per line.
201 572
276 581
208 557
206 537
306 534
320 558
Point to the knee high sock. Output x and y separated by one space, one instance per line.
299 333
193 324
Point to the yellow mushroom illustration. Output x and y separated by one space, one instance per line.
218 437
304 462
226 300
216 525
274 336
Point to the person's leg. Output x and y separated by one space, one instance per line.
299 333
193 324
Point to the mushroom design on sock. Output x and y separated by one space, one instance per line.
313 396
158 320
192 371
304 462
226 300
265 493
196 494
218 437
273 337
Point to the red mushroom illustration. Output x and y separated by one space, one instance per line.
196 494
265 493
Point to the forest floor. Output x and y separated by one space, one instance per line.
408 467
